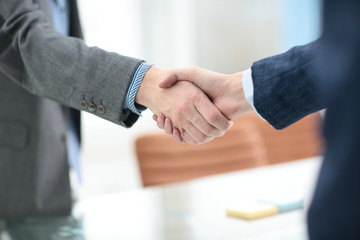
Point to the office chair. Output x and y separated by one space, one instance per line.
300 140
162 160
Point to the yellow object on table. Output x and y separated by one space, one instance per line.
252 210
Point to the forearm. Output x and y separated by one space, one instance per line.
284 86
62 68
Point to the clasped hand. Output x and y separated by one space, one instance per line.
183 107
224 91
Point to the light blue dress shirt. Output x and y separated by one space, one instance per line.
61 19
60 14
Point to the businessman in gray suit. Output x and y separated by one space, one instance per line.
46 77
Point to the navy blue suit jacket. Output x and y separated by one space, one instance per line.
323 74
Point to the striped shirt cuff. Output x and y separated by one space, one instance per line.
134 87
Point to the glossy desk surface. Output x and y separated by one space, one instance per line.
196 209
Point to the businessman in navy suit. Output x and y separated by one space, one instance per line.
289 86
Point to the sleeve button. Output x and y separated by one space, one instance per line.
92 107
101 109
84 104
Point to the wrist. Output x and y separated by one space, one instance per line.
236 90
149 85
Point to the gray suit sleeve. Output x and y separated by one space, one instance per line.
285 88
62 68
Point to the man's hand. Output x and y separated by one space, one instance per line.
225 91
190 110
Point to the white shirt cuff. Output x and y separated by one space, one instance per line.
248 87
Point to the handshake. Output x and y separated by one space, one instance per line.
192 104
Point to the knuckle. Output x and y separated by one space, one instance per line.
202 138
208 139
210 131
194 68
213 117
221 133
191 95
189 140
181 108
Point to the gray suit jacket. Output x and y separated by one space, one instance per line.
41 72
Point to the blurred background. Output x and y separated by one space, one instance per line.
221 35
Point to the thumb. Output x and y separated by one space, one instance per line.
184 74
168 81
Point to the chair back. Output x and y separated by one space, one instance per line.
162 160
300 140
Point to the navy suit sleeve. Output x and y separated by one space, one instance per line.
284 90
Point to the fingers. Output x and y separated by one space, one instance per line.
168 127
166 124
197 133
190 121
206 120
188 139
163 123
194 138
213 116
177 135
201 128
160 120
194 124
191 112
